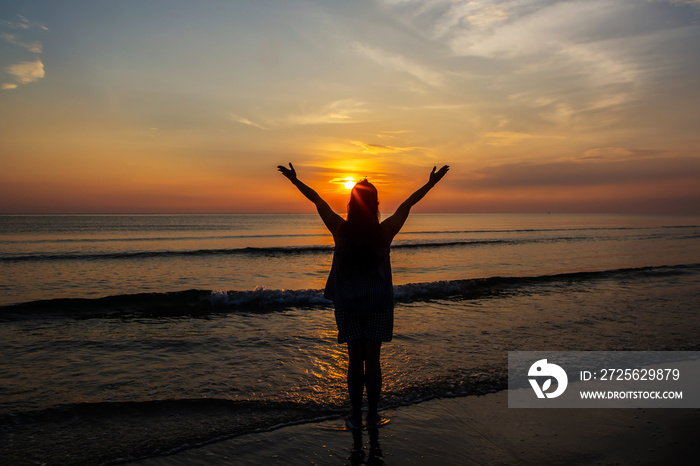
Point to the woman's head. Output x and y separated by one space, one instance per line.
364 203
364 241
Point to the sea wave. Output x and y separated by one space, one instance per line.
132 239
262 299
234 236
271 251
486 237
131 255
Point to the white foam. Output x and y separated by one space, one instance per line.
262 297
443 287
265 297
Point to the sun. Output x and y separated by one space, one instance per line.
349 184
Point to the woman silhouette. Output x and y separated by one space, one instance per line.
360 284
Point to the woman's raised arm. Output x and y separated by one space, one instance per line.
332 220
393 224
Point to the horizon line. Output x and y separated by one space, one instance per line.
340 213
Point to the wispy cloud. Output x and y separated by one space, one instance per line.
22 23
607 170
478 14
338 112
393 134
401 63
579 56
246 121
380 149
681 2
27 71
342 111
507 138
619 154
34 47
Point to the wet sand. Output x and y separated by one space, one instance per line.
474 430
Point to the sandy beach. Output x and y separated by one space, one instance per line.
475 430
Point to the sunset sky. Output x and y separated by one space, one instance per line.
183 106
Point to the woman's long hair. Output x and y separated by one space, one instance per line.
362 230
364 203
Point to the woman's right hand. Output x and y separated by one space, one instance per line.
437 176
290 173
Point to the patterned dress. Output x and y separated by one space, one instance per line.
363 294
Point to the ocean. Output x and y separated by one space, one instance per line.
130 336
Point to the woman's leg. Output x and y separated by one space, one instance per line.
373 379
356 378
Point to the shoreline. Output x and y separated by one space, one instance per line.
469 430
